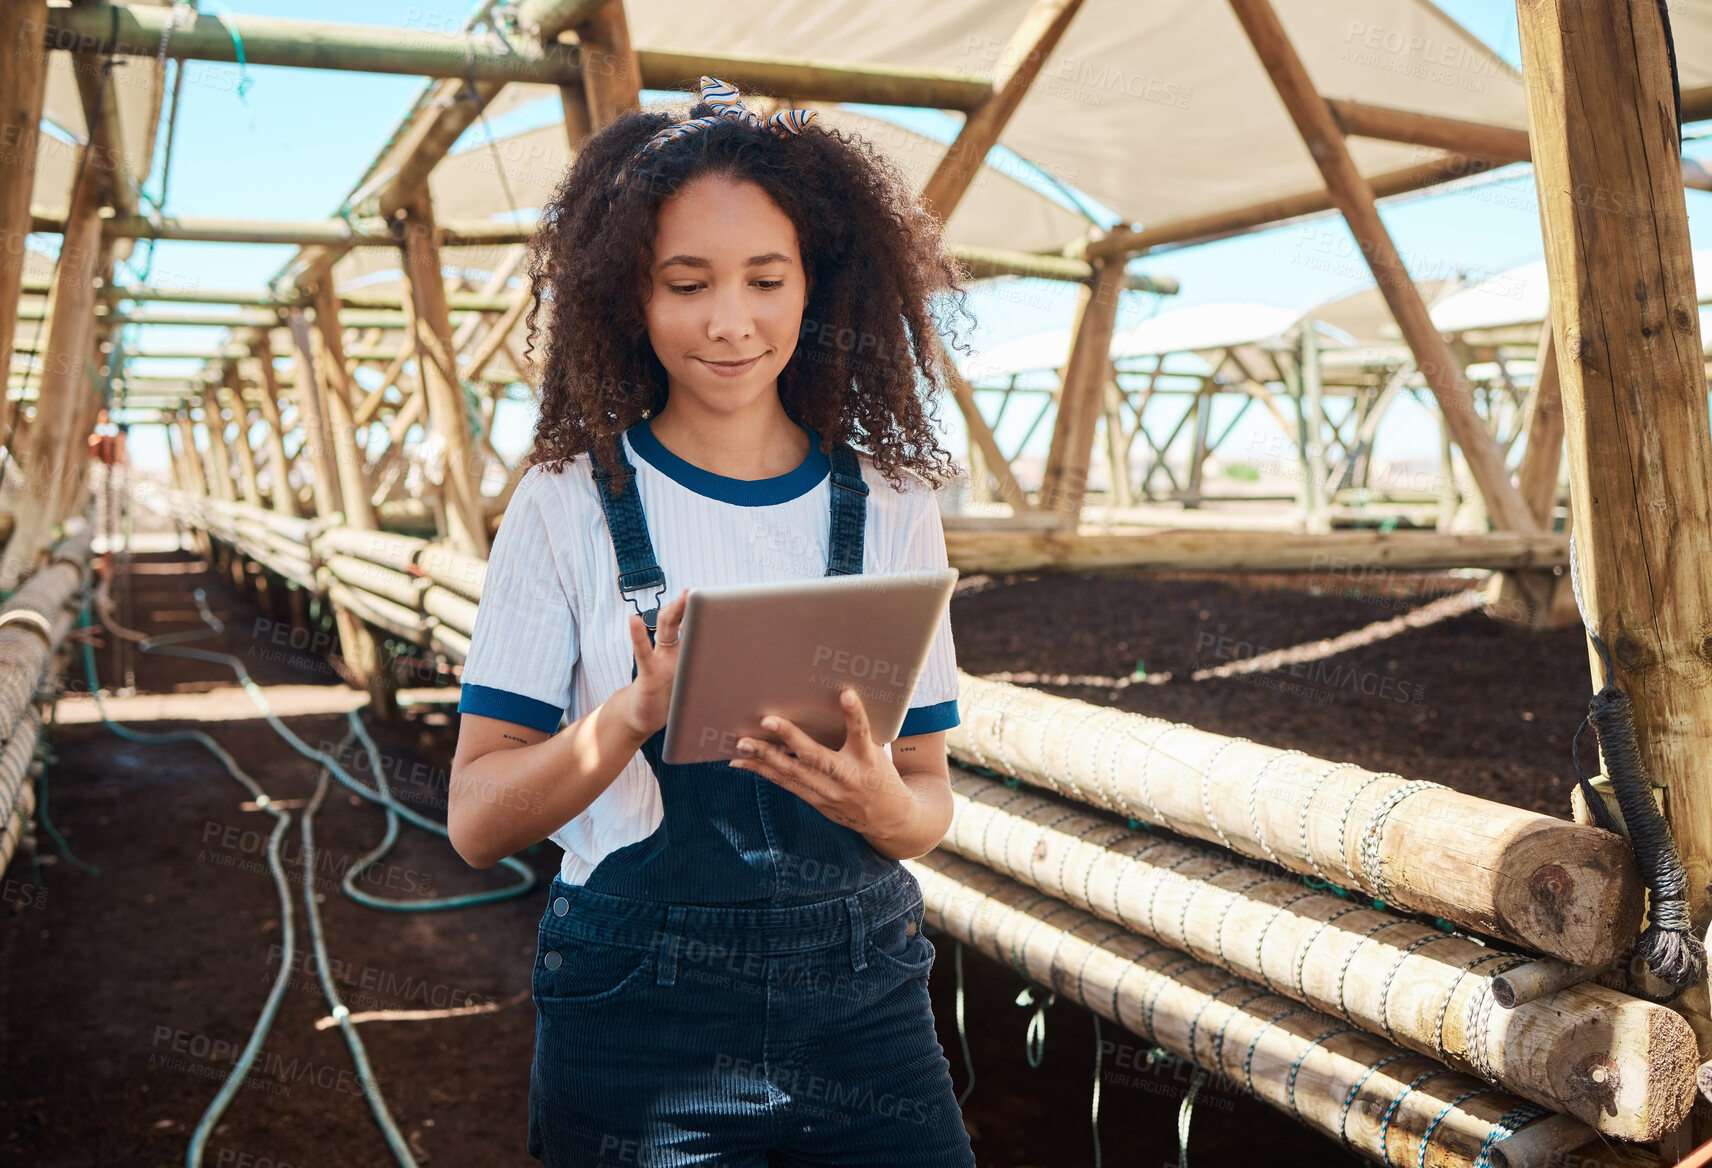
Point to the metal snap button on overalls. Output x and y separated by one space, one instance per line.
561 906
552 960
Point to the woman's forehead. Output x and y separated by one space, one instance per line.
724 222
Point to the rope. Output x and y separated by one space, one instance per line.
1034 1048
1668 945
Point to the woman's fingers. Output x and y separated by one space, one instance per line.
670 620
855 720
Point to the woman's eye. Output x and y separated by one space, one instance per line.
686 289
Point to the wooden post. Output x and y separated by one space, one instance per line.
1539 599
1079 401
220 484
612 80
231 392
312 416
1313 433
1117 449
336 397
22 76
1627 334
1353 196
466 525
284 497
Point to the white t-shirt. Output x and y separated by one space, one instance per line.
551 637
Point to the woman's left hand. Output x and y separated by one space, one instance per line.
856 785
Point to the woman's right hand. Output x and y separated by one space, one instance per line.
650 691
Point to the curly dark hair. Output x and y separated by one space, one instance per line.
874 255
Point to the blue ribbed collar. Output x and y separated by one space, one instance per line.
743 492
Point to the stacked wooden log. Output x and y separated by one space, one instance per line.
1388 1104
34 621
1624 1065
1317 923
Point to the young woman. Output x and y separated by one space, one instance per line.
730 968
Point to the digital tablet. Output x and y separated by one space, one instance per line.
750 650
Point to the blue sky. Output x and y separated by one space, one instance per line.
293 143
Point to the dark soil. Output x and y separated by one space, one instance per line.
125 995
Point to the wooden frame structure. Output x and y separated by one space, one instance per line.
1637 462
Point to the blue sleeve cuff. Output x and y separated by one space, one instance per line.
927 719
510 707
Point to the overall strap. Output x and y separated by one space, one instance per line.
637 569
849 513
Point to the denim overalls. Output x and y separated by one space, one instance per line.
748 985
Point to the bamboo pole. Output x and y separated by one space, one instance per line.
1624 1066
22 78
1353 195
1633 383
283 497
1563 889
1387 1104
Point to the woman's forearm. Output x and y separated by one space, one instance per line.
505 800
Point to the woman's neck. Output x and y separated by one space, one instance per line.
757 443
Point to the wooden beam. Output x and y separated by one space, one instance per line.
1124 241
1626 328
336 394
467 528
22 79
1017 67
284 498
99 95
1081 397
1354 198
615 86
1495 145
312 416
1203 550
428 134
1498 145
220 485
310 44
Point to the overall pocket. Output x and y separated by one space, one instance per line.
570 971
899 944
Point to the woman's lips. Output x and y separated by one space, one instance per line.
730 370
